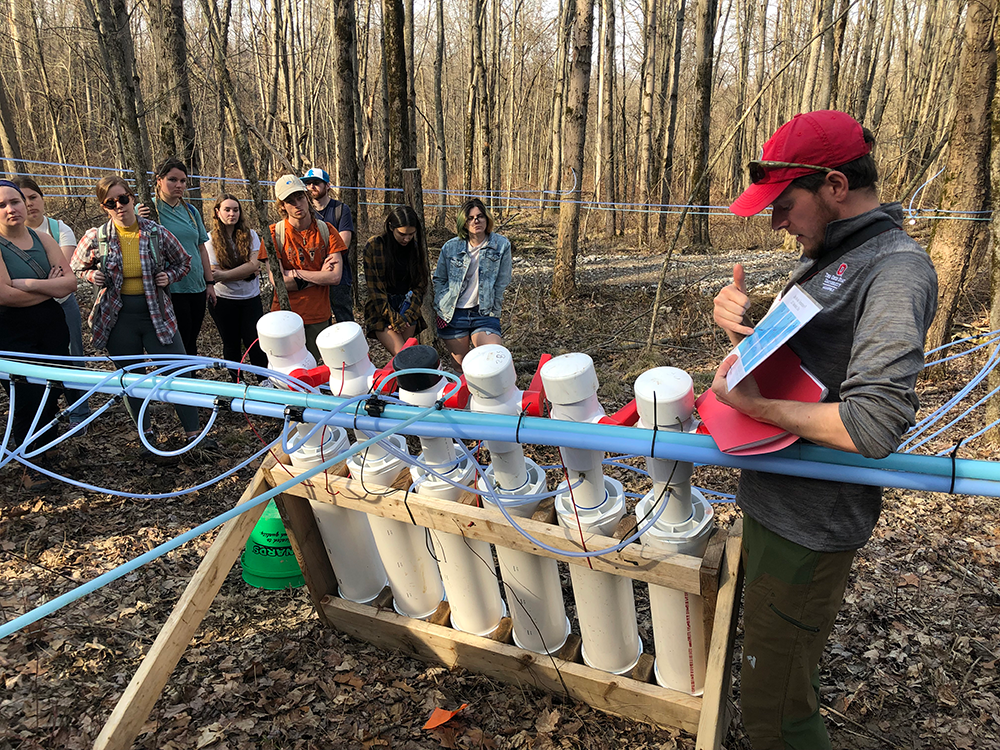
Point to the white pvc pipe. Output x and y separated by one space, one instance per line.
466 565
346 534
665 398
532 583
592 503
412 573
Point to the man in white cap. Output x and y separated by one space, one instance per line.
309 250
878 292
338 215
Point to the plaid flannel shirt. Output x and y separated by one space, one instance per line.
378 312
172 260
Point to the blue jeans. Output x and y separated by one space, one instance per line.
467 321
74 321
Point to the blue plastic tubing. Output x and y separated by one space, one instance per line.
905 471
59 602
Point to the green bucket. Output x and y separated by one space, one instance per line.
268 560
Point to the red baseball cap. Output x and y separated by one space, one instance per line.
826 138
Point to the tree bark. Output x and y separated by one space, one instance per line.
399 156
564 273
967 182
8 135
110 19
559 83
646 117
177 133
218 30
993 381
702 118
439 136
667 167
345 52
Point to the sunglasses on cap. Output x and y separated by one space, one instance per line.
760 169
121 200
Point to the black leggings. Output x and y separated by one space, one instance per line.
190 311
236 320
39 329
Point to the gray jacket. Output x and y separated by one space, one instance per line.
866 346
495 264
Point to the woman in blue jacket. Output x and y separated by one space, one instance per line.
473 270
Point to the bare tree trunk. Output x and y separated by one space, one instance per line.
667 168
564 272
177 133
824 94
559 86
345 54
8 135
646 117
606 155
50 100
400 156
868 63
411 92
439 136
815 54
218 30
993 382
483 113
114 38
745 15
704 38
967 181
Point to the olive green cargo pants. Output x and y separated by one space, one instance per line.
791 601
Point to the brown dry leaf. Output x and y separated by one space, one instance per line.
547 721
446 737
909 579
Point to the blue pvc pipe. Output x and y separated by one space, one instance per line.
930 473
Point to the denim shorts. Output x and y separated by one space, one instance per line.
466 321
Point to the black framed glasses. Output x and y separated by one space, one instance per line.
759 169
121 200
477 217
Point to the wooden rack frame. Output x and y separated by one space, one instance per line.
717 577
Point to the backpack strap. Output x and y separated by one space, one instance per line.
34 265
54 229
338 211
103 244
851 242
324 231
279 234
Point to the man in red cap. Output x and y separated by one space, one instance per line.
878 292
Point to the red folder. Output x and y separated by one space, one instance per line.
780 376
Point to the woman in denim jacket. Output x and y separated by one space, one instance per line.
473 270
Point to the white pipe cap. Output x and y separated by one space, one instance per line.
489 372
673 391
343 344
281 334
569 378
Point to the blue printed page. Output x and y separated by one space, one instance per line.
782 321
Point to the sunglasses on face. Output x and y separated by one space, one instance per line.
121 200
760 169
478 217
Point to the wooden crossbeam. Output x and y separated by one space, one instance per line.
639 562
133 708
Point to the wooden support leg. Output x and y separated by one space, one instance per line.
137 701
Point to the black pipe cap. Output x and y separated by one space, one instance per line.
414 357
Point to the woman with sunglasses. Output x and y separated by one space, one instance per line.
232 251
395 264
473 270
132 261
189 295
33 275
34 201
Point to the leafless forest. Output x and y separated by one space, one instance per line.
598 131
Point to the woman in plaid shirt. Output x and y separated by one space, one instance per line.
133 261
395 265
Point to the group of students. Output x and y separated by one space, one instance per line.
156 279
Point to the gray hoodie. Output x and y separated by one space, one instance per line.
866 346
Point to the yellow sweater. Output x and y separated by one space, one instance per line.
131 263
